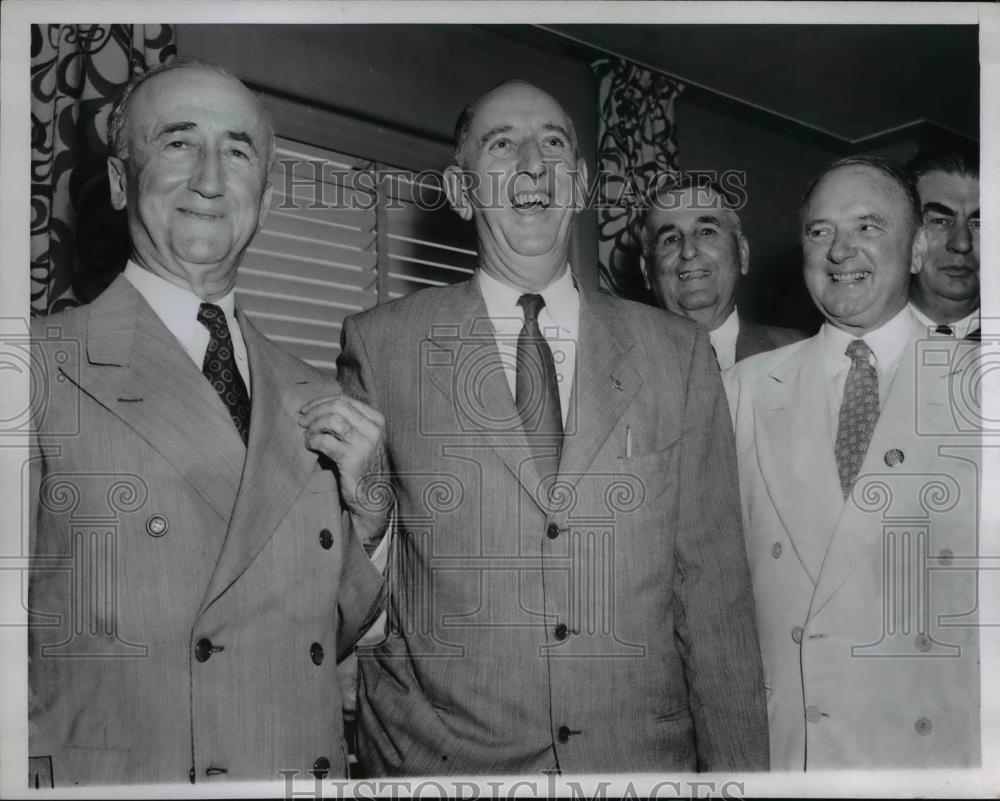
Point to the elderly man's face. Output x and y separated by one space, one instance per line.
695 255
194 180
520 157
859 248
950 205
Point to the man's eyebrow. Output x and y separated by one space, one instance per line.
552 126
664 228
496 129
873 217
711 219
940 208
174 127
179 127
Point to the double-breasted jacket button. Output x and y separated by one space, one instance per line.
213 771
563 734
923 726
326 539
552 531
776 550
157 525
204 648
797 634
893 456
560 631
813 714
923 643
316 653
321 767
945 556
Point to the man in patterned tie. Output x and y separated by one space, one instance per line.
541 434
838 437
193 633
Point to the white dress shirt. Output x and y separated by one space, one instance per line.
960 328
887 344
559 322
724 340
178 309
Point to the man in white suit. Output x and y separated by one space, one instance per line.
194 579
859 491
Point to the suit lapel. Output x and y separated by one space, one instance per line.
605 381
278 465
796 453
138 371
859 529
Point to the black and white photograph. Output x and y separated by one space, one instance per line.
532 399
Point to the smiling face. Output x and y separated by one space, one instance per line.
695 255
194 177
948 284
859 247
519 161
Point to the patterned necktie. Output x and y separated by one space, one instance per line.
858 414
220 368
537 393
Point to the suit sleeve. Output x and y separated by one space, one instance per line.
716 626
362 589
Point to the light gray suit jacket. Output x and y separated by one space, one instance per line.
867 607
154 529
609 630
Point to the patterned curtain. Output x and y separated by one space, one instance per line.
78 242
636 144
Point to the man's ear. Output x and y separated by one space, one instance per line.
918 252
580 186
457 192
118 182
744 248
265 204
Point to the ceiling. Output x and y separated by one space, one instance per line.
852 81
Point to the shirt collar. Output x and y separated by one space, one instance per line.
886 342
562 302
962 328
175 306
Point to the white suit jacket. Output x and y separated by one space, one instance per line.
866 617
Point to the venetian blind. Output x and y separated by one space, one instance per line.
343 234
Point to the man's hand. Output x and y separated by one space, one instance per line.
351 434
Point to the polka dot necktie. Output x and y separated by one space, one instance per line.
858 415
220 368
536 390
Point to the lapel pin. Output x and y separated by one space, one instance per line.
616 383
893 457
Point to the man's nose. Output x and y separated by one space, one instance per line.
960 240
206 179
841 248
530 159
688 249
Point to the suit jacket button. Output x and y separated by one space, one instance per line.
813 714
316 653
326 539
923 643
797 634
923 726
945 556
561 631
552 531
203 650
563 734
776 550
893 457
157 525
321 767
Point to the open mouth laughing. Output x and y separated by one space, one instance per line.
851 278
534 200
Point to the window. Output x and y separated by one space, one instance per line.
344 234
